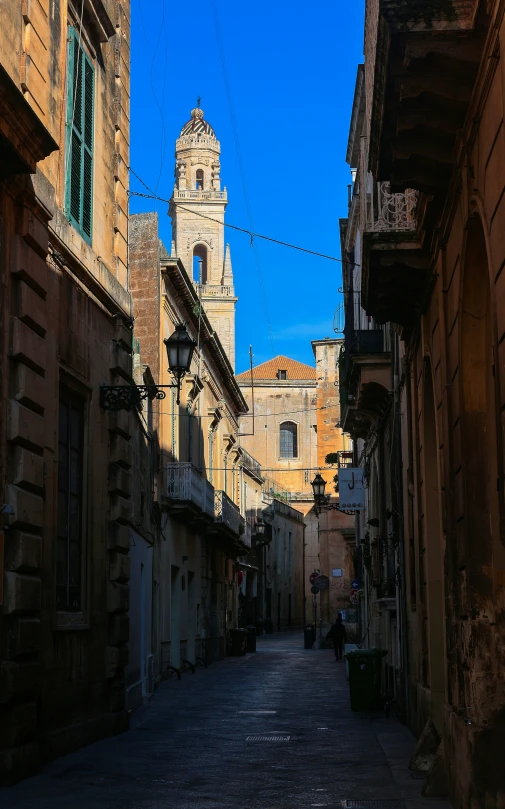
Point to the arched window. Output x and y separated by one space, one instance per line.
199 179
288 440
200 264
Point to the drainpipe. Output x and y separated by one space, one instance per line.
395 344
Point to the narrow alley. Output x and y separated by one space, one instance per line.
272 729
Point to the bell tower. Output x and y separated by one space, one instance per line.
197 211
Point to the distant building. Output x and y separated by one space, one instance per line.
296 424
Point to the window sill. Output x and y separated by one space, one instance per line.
71 620
294 458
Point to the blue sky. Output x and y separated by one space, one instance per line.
292 68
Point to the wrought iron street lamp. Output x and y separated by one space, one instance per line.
180 348
321 500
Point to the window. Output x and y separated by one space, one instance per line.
70 496
199 179
79 138
288 440
282 374
200 264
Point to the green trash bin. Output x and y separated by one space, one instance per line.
238 641
251 638
365 668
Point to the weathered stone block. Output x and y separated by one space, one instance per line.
116 659
27 346
118 537
121 509
23 551
18 723
120 480
24 426
117 699
119 567
19 680
29 266
28 508
120 422
19 762
118 597
22 593
28 469
24 637
121 362
119 630
32 308
120 451
34 232
29 388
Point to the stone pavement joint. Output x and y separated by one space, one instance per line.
188 748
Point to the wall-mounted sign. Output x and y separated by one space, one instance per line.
337 572
350 488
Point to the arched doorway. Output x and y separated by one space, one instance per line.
478 410
431 570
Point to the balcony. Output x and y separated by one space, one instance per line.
421 66
199 194
216 291
188 493
364 369
227 513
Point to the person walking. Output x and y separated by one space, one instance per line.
338 635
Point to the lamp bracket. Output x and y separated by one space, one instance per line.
128 397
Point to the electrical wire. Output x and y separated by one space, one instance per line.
231 107
249 415
250 233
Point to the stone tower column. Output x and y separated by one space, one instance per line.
197 211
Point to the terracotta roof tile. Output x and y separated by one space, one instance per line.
270 369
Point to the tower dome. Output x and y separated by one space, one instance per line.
197 125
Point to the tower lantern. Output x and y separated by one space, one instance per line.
197 211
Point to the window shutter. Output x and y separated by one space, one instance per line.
79 170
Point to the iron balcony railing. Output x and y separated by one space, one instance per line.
227 513
185 484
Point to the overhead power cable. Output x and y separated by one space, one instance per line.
236 138
250 233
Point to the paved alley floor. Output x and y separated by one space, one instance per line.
270 730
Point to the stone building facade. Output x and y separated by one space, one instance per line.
66 466
426 228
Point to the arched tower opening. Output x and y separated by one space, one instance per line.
199 180
200 264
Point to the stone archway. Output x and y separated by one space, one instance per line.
478 411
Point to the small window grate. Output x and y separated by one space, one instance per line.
268 738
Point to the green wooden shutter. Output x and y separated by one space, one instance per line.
80 116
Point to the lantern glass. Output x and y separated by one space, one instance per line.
259 529
180 348
318 487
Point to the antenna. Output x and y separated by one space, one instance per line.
198 100
252 392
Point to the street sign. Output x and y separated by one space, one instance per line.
350 488
313 576
322 582
314 590
355 584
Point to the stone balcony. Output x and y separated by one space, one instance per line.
216 291
421 66
227 513
200 195
188 493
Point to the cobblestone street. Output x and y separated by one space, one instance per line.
194 745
